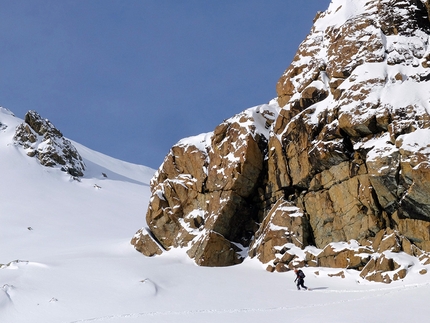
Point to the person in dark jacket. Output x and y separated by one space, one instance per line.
300 278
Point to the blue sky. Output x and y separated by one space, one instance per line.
131 78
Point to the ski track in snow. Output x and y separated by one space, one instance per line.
382 292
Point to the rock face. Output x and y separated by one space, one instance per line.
207 195
334 172
42 140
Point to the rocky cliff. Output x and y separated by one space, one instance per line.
333 172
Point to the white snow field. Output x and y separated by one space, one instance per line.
66 255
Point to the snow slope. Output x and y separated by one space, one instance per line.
67 258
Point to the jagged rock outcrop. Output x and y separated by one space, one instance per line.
339 177
206 195
42 140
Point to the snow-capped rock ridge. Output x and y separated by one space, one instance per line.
257 119
41 139
342 152
45 139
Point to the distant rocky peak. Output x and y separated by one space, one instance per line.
41 139
41 126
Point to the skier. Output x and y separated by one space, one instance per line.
300 278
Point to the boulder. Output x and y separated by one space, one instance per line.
383 269
340 274
344 256
144 243
390 242
213 250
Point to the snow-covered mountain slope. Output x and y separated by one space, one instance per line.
66 255
37 197
65 240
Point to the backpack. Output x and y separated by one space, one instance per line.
301 274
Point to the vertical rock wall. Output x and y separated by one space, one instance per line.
341 156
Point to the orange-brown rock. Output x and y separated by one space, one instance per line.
208 186
340 274
145 244
344 257
285 224
354 200
379 269
213 250
345 145
415 230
